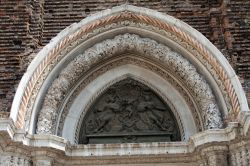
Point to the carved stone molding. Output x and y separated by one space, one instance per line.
8 160
177 33
138 62
212 147
214 155
239 153
110 84
142 46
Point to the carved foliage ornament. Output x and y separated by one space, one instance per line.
128 59
116 18
129 112
143 46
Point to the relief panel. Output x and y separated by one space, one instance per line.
129 112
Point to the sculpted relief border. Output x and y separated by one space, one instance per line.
192 45
109 84
109 27
126 59
119 62
143 46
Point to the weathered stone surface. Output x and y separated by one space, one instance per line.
26 25
177 64
129 112
8 160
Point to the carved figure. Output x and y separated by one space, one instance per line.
152 114
130 111
104 113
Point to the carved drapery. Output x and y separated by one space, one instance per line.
129 112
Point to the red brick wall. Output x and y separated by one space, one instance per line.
27 25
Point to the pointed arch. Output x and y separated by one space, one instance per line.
165 90
212 73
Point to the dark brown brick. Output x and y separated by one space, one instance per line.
26 26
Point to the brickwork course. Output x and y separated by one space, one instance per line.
26 26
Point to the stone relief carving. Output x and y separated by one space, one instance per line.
239 153
7 160
129 112
127 23
130 43
118 25
138 62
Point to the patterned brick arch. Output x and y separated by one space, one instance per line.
23 104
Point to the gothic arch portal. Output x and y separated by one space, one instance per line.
174 60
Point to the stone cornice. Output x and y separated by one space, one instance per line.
46 142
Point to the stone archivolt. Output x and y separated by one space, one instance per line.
121 24
176 34
175 63
138 61
152 42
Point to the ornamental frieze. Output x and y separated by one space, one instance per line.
143 46
129 18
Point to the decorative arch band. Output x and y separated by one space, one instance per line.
127 16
